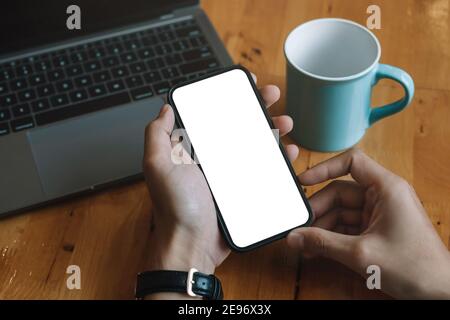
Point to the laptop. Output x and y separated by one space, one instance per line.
74 103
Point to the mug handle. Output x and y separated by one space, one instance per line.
385 71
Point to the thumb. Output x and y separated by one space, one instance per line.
157 136
320 242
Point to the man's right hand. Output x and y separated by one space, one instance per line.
375 220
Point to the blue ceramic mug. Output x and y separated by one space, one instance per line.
332 66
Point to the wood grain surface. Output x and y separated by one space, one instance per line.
106 234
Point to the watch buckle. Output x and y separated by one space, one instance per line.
190 281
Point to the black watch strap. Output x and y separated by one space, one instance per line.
206 286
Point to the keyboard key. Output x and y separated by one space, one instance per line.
61 61
172 59
92 66
78 57
82 108
176 46
18 84
21 110
128 57
132 45
59 100
22 124
167 36
42 65
163 49
110 61
78 95
152 77
138 67
40 105
8 100
83 81
29 60
188 32
97 53
115 48
4 129
74 70
55 75
3 88
26 95
116 85
37 79
146 53
134 81
156 63
24 70
181 45
120 72
6 74
202 40
97 90
45 90
64 85
101 76
195 42
150 40
196 54
142 93
4 115
198 66
170 73
162 87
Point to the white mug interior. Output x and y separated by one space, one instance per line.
334 49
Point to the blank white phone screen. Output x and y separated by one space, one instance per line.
240 157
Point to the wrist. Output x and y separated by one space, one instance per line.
176 249
437 285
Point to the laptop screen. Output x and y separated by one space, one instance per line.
28 23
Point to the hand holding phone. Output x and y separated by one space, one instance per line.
257 195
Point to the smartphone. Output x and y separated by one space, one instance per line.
256 192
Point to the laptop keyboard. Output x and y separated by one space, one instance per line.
58 85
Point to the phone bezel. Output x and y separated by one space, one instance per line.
222 223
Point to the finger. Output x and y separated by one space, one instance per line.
337 194
348 230
270 94
339 229
314 241
292 152
283 123
158 144
339 216
362 168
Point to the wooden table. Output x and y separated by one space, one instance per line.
106 234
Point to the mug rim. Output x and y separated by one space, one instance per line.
316 76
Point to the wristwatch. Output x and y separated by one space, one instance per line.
193 283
